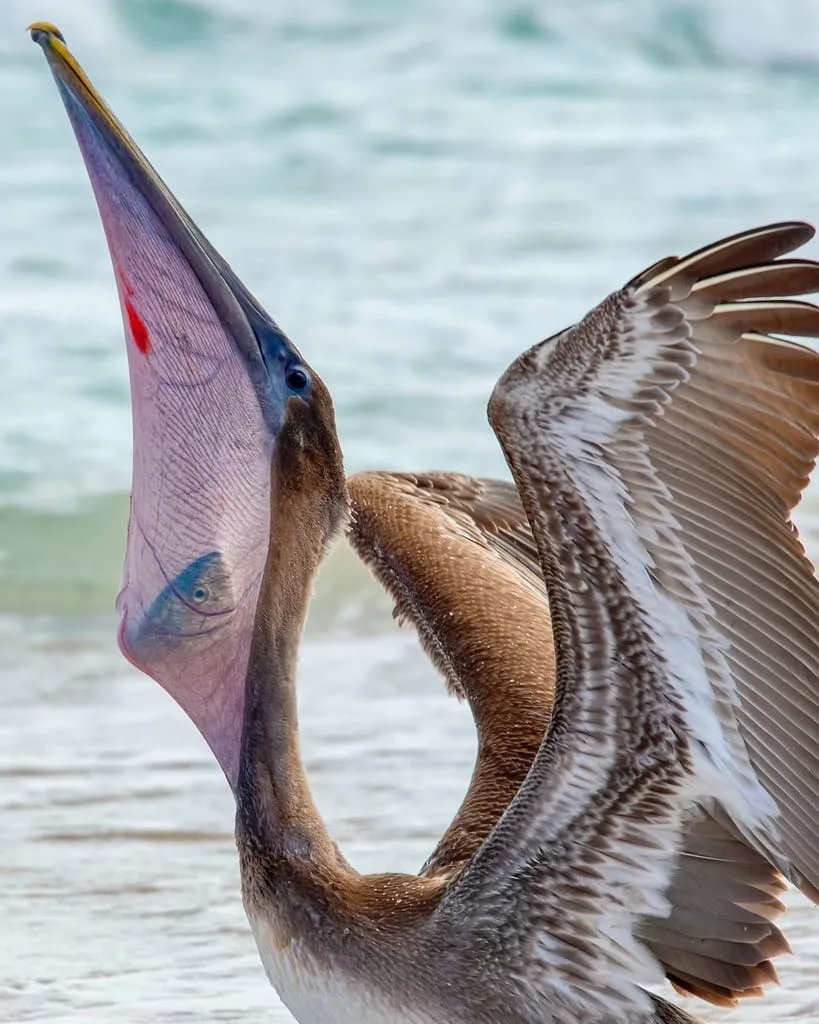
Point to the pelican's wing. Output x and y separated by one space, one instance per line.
457 556
659 447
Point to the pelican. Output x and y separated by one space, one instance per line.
633 623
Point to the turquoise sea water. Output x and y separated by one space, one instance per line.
416 191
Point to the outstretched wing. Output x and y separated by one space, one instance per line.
458 558
659 447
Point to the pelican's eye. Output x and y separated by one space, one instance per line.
297 379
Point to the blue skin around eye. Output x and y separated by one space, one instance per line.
192 603
280 358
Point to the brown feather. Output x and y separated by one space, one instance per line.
667 1013
457 556
745 249
786 277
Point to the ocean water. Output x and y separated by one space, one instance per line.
416 192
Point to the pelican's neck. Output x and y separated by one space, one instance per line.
274 803
275 807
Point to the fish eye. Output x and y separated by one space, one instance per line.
200 595
297 379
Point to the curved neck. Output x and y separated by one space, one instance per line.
275 807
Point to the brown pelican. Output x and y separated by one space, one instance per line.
633 624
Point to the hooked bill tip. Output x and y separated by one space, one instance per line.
43 31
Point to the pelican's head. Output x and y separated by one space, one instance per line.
229 423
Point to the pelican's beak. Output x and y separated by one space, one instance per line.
110 153
211 378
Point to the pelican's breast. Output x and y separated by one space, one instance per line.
317 993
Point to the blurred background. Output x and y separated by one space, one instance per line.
416 191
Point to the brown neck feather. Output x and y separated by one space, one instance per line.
275 808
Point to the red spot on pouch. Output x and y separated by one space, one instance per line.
139 331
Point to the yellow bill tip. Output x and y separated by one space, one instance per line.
42 31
